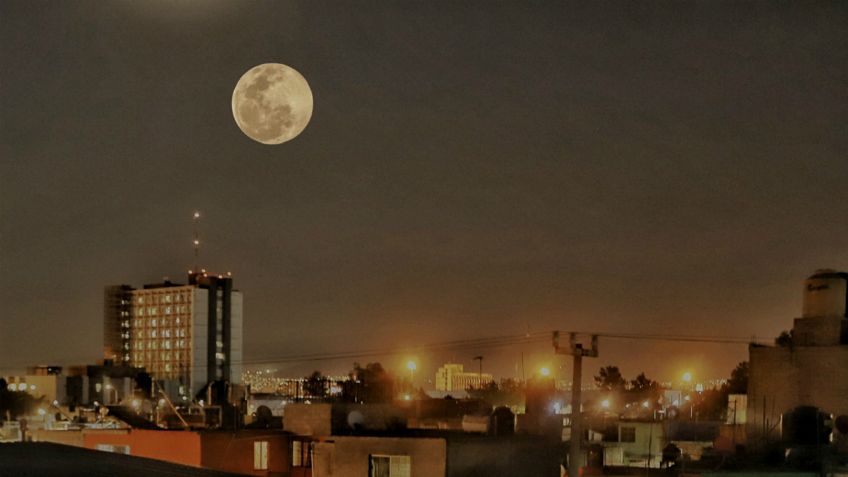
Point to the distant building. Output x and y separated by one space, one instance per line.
373 439
183 335
261 453
811 368
452 377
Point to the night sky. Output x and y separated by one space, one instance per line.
471 169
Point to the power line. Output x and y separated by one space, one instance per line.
501 341
489 342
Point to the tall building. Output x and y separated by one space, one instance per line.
453 377
183 335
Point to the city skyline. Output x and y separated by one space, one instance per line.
467 172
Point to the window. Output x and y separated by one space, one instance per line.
301 454
260 455
113 448
390 466
627 434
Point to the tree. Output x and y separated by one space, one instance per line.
643 384
610 379
711 405
509 393
738 382
785 339
315 385
371 384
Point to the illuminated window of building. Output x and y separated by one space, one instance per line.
166 333
628 434
168 299
141 299
260 455
301 454
113 448
98 387
167 310
153 322
167 367
389 466
166 344
151 310
178 320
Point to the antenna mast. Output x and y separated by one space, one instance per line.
196 242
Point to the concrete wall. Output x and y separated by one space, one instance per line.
473 456
784 378
350 456
179 447
199 337
308 419
819 331
233 451
68 438
236 334
650 440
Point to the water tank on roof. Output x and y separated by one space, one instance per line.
826 294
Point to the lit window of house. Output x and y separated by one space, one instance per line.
301 454
390 466
260 455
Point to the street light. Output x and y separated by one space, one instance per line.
545 371
411 366
687 377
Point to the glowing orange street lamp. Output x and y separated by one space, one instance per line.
411 366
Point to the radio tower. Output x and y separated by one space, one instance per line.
196 242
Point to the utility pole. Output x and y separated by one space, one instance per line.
577 352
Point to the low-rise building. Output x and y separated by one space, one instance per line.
247 452
453 377
808 368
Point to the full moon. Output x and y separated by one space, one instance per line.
272 103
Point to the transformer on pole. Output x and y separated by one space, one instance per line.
577 352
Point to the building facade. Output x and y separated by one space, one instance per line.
453 377
808 369
183 335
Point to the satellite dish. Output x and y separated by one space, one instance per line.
355 419
264 417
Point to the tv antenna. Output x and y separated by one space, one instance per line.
196 242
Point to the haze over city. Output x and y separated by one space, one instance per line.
467 172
